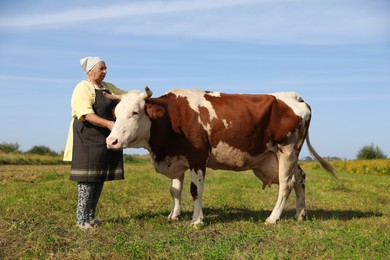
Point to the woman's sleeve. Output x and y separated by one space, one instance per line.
82 102
113 89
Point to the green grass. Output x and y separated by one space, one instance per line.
348 218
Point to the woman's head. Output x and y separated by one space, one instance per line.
95 68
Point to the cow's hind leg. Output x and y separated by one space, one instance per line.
287 167
299 187
176 190
197 180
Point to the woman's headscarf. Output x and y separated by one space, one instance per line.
88 63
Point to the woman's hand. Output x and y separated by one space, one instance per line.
99 121
110 124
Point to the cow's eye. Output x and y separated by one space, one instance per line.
132 114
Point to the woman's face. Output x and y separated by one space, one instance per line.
98 73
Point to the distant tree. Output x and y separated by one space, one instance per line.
42 150
128 158
369 152
307 159
9 147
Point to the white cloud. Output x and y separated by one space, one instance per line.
21 79
141 8
261 21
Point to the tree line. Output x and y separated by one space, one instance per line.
37 149
367 152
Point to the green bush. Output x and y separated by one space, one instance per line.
41 150
9 147
369 152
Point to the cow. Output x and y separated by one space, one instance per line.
195 129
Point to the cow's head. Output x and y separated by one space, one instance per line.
132 126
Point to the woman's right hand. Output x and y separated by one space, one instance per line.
110 125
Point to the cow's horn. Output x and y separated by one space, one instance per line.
112 96
148 92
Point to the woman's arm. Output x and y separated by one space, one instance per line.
113 89
99 121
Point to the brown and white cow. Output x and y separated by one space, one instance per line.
193 129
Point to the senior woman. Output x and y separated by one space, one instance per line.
92 120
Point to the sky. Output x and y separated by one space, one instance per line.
334 53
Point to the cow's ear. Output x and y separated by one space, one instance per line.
154 111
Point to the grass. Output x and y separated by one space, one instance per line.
348 218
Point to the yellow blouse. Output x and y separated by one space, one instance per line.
83 98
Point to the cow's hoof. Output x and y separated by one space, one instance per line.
197 225
173 216
301 217
197 222
269 222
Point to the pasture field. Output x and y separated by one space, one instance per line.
349 218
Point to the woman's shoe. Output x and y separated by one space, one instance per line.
84 226
95 222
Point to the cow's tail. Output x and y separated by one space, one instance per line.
326 165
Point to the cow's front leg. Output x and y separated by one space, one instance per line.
176 189
197 180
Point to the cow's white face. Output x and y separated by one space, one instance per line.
132 126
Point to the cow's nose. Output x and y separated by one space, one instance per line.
112 143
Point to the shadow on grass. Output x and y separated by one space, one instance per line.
242 214
341 214
232 214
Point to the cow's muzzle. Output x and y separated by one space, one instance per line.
113 143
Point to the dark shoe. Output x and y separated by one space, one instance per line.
95 222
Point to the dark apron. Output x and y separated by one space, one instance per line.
91 160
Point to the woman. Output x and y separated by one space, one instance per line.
92 162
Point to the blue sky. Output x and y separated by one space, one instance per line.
335 53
